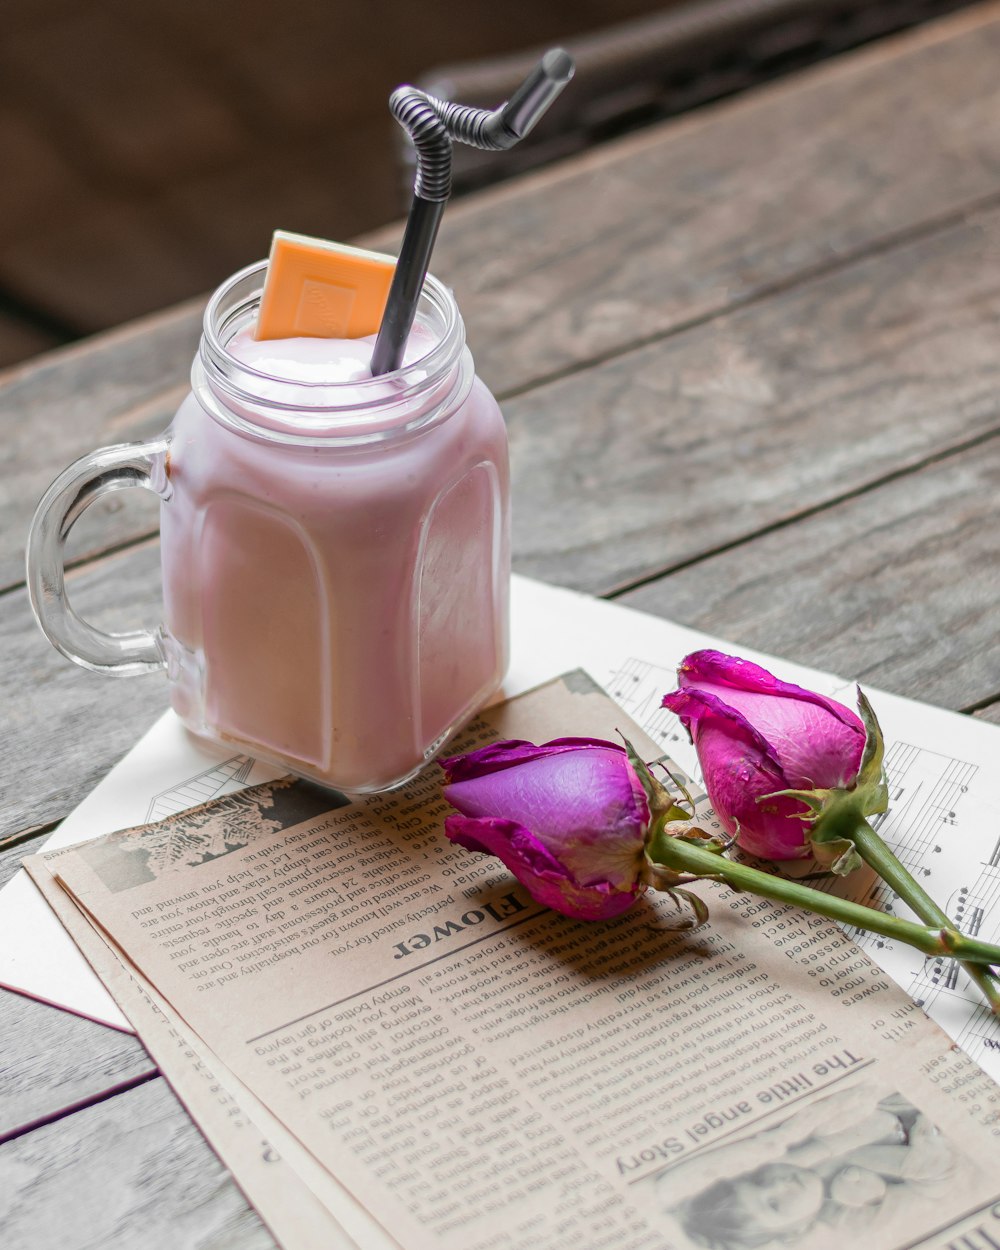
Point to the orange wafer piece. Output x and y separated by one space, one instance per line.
318 289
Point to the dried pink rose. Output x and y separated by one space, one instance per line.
756 736
568 818
586 827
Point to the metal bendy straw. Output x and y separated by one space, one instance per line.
432 125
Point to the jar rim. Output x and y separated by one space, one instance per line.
230 309
261 406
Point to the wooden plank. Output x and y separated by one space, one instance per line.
990 713
691 217
664 454
653 459
635 240
899 587
54 1060
131 1171
119 388
64 726
619 469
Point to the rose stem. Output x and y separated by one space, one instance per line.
877 855
685 857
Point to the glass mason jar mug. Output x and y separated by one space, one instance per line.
335 556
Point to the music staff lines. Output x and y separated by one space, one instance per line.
932 829
639 686
922 807
980 1031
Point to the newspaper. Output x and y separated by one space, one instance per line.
304 1206
943 821
478 1072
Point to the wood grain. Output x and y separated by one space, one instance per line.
160 1184
664 454
642 237
19 844
53 1060
647 461
898 588
691 217
65 726
119 388
661 454
815 473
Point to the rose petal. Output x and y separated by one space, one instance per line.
538 870
500 755
817 741
739 768
581 801
695 706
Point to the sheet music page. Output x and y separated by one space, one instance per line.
944 821
484 1074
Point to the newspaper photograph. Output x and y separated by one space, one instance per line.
482 1073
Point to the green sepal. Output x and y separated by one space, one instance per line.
697 905
669 881
837 855
698 837
871 776
659 876
691 808
661 806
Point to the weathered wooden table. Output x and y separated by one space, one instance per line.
750 362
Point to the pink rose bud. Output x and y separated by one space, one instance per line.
755 736
568 818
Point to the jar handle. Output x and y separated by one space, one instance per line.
110 468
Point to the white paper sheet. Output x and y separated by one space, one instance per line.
944 819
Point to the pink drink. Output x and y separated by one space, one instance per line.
335 547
